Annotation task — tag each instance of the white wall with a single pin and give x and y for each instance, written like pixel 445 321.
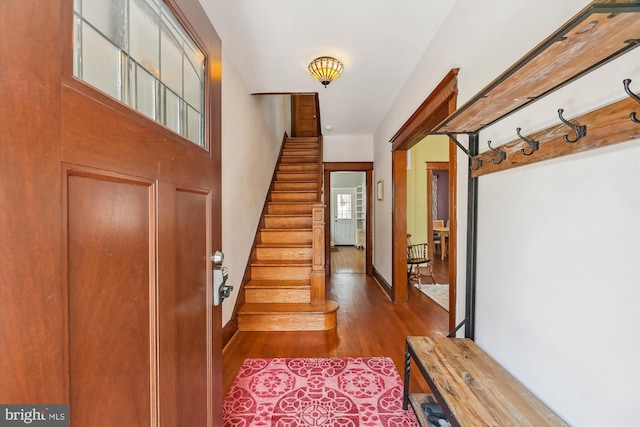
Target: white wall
pixel 249 155
pixel 558 297
pixel 347 148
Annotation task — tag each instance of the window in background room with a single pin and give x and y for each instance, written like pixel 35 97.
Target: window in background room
pixel 344 208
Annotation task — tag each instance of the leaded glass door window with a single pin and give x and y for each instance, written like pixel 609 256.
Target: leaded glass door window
pixel 137 52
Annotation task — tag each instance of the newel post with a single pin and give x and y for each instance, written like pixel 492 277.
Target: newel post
pixel 317 268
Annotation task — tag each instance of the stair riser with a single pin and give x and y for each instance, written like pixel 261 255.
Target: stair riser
pixel 277 296
pixel 295 186
pixel 297 176
pixel 289 209
pixel 296 237
pixel 293 196
pixel 300 152
pixel 274 254
pixel 287 322
pixel 288 222
pixel 280 272
pixel 299 159
pixel 293 167
pixel 301 145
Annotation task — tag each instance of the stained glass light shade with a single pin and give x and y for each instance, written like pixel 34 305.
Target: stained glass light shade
pixel 326 69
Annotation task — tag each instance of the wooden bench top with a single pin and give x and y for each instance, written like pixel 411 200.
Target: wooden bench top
pixel 476 389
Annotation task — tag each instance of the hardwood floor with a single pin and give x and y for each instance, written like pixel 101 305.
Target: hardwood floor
pixel 347 259
pixel 368 325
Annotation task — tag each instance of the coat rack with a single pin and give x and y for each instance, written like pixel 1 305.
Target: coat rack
pixel 601 32
pixel 608 125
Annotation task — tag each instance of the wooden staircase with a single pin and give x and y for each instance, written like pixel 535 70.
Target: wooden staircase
pixel 286 291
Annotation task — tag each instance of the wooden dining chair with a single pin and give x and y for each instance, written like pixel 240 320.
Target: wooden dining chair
pixel 437 242
pixel 418 255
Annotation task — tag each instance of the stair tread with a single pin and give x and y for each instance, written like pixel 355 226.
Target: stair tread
pixel 295 191
pixel 280 308
pixel 283 245
pixel 284 230
pixel 282 262
pixel 288 215
pixel 266 283
pixel 285 182
pixel 291 202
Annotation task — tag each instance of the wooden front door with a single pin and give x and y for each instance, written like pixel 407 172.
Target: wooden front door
pixel 108 225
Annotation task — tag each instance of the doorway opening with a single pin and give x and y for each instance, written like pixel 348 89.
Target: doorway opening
pixel 436 107
pixel 348 211
pixel 347 199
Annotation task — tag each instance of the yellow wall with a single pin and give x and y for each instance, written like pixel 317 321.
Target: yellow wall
pixel 433 148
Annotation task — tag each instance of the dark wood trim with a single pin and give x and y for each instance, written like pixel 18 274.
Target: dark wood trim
pixel 229 330
pixel 369 225
pixel 439 104
pixel 399 221
pixel 366 167
pixel 422 121
pixel 316 99
pixel 384 285
pixel 348 166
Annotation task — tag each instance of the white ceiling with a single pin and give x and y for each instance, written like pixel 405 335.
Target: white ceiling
pixel 271 43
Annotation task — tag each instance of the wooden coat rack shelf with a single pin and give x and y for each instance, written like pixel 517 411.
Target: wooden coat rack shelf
pixel 601 32
pixel 605 126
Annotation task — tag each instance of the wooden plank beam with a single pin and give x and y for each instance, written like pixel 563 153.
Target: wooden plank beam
pixel 552 64
pixel 605 126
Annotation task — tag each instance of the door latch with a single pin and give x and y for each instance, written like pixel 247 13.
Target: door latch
pixel 220 276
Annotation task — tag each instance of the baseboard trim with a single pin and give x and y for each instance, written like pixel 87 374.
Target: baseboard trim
pixel 228 331
pixel 384 285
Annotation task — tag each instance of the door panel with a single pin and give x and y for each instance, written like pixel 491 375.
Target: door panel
pixel 111 288
pixel 191 314
pixel 305 115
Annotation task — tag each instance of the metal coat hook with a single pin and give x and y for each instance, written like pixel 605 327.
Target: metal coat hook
pixel 500 155
pixel 579 130
pixel 632 116
pixel 477 162
pixel 472 158
pixel 533 145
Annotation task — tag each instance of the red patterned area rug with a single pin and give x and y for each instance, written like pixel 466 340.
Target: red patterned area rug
pixel 346 392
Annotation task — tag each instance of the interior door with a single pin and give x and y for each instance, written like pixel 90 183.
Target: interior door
pixel 305 115
pixel 344 217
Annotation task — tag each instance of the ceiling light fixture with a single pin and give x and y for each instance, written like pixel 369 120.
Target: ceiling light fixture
pixel 326 69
